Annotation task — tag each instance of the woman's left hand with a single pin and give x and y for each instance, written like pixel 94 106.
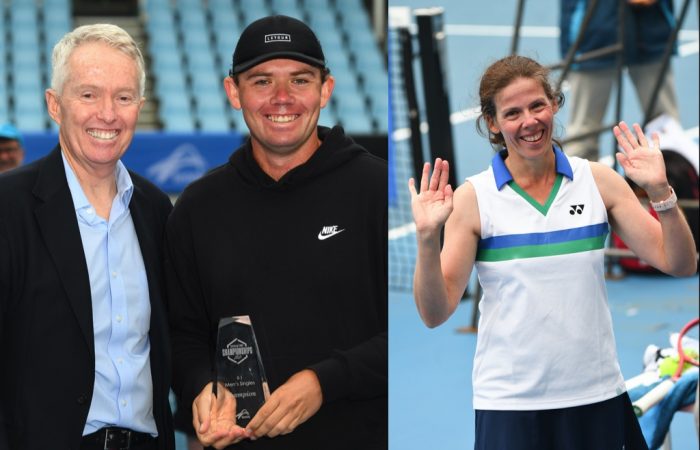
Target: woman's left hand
pixel 643 163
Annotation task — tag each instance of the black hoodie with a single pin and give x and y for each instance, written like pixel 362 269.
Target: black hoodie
pixel 305 257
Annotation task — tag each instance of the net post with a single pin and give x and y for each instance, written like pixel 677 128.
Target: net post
pixel 431 37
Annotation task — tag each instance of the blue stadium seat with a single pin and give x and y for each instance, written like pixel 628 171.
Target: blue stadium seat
pixel 338 61
pixel 224 49
pixel 327 117
pixel 166 59
pixel 206 81
pixel 163 39
pixel 25 59
pixel 225 24
pixel 375 82
pixel 236 118
pixel 180 121
pixel 53 4
pixel 23 15
pixel 171 104
pixel 27 35
pixel 350 106
pixel 253 10
pixel 354 18
pixel 289 8
pixel 171 83
pixel 360 124
pixel 29 108
pixel 315 5
pixel 322 21
pixel 380 110
pixel 360 42
pixel 188 5
pixel 156 3
pixel 193 20
pixel 356 5
pixel 4 95
pixel 332 44
pixel 27 80
pixel 29 101
pixel 214 123
pixel 162 20
pixel 211 102
pixel 210 109
pixel 382 123
pixel 210 30
pixel 57 15
pixel 30 121
pixel 217 6
pixel 370 60
pixel 153 9
pixel 346 84
pixel 202 60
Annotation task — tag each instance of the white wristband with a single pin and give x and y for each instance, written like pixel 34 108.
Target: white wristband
pixel 664 205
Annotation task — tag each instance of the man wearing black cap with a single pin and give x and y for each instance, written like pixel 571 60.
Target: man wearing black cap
pixel 292 232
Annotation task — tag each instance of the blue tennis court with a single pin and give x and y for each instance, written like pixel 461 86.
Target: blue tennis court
pixel 430 393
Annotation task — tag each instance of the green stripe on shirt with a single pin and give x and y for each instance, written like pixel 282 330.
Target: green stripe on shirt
pixel 534 251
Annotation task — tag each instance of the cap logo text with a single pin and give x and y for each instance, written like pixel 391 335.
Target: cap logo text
pixel 278 37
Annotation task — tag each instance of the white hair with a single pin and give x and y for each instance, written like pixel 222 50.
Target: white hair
pixel 111 35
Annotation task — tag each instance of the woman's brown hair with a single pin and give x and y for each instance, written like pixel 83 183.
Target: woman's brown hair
pixel 499 75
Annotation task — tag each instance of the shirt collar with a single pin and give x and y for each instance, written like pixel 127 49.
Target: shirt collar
pixel 125 187
pixel 502 174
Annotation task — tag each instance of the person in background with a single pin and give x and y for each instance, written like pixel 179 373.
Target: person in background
pixel 83 327
pixel 292 232
pixel 534 226
pixel 11 147
pixel 647 27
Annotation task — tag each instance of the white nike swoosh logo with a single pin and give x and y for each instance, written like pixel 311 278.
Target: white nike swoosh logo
pixel 322 236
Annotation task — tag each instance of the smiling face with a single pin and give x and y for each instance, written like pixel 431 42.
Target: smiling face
pixel 97 108
pixel 281 100
pixel 525 118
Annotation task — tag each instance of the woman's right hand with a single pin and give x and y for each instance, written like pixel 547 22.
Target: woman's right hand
pixel 433 204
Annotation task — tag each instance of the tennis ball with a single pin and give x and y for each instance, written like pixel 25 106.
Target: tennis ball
pixel 668 365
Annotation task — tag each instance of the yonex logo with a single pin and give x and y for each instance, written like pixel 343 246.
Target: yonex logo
pixel 278 37
pixel 576 209
pixel 329 231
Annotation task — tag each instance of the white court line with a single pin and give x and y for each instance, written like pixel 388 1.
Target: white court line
pixel 402 231
pixel 500 31
pixel 687 49
pixel 528 31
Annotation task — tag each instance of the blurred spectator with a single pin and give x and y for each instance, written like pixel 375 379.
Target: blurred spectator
pixel 11 147
pixel 647 28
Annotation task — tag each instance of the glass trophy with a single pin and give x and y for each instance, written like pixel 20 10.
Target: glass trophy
pixel 239 366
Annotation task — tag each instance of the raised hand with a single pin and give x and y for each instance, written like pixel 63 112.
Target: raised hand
pixel 433 205
pixel 642 161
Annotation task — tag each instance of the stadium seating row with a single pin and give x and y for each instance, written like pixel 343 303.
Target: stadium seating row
pixel 190 44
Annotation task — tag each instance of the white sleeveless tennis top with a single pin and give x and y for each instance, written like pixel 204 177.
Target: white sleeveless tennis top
pixel 545 332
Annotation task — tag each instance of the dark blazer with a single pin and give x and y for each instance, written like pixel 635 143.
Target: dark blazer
pixel 47 354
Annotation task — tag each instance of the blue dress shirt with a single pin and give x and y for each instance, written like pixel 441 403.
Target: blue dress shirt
pixel 121 311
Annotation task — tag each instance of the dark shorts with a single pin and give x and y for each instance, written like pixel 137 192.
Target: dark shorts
pixel 609 425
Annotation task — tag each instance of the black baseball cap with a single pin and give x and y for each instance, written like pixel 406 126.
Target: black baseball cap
pixel 275 37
